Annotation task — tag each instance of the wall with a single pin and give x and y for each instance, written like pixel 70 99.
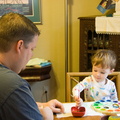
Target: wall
pixel 41 90
pixel 51 44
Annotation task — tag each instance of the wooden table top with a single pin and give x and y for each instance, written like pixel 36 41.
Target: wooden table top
pixel 93 116
pixel 80 118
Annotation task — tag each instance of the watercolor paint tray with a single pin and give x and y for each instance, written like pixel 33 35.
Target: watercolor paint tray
pixel 107 107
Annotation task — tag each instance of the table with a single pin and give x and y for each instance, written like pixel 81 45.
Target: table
pixel 78 118
pixel 90 113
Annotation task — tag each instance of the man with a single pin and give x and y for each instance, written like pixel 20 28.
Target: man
pixel 18 38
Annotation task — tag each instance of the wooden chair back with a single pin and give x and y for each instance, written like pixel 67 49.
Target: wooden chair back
pixel 71 76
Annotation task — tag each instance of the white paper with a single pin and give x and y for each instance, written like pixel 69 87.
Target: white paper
pixel 87 105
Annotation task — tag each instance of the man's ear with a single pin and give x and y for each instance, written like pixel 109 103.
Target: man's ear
pixel 20 45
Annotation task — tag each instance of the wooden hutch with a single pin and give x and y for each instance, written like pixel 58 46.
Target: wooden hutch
pixel 90 41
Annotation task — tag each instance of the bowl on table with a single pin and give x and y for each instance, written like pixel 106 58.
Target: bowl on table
pixel 108 117
pixel 78 111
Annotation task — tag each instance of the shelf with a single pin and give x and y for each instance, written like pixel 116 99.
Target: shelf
pixel 32 74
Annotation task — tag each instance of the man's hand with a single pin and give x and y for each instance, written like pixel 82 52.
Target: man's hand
pixel 55 105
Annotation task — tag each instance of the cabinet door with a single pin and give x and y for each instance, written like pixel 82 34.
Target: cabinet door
pixel 87 27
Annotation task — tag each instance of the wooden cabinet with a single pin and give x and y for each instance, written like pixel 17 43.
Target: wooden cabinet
pixel 33 74
pixel 90 41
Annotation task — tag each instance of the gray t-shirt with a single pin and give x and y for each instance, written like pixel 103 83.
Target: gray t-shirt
pixel 16 99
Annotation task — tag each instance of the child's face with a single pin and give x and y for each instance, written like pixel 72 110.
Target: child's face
pixel 99 73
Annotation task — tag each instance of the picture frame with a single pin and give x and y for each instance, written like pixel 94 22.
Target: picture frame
pixel 30 8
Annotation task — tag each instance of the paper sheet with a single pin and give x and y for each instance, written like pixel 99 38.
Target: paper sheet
pixel 87 105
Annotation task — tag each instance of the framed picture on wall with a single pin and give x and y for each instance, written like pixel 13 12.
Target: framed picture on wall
pixel 30 8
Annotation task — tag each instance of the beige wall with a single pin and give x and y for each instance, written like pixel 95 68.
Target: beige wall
pixel 51 43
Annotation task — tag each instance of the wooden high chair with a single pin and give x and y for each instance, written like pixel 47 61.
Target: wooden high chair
pixel 71 76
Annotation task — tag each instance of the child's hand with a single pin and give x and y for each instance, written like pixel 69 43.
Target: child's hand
pixel 78 101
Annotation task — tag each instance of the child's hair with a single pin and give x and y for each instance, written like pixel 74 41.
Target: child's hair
pixel 105 58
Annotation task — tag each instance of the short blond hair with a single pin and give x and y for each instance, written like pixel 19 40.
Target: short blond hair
pixel 105 58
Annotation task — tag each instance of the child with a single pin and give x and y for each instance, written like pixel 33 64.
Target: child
pixel 98 86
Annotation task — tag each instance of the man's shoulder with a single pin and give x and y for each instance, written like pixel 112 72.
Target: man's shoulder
pixel 9 82
pixel 8 77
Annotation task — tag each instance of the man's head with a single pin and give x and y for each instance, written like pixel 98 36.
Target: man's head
pixel 18 38
pixel 15 27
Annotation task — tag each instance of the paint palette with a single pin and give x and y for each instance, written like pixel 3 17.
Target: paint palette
pixel 107 107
